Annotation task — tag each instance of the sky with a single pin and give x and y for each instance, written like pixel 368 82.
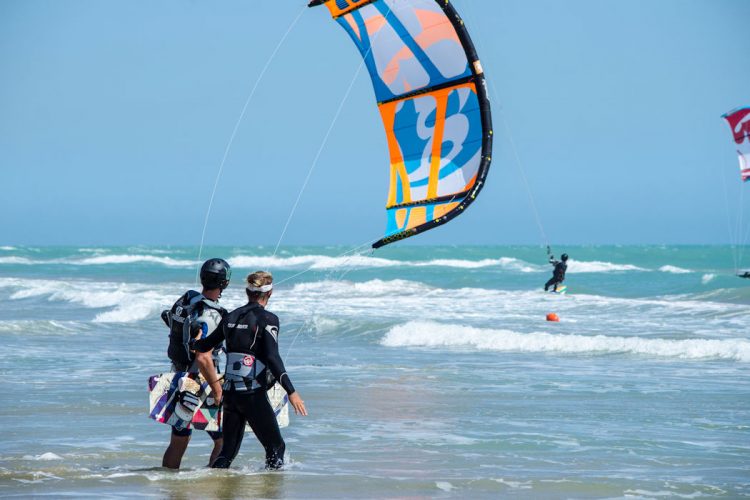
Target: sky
pixel 115 116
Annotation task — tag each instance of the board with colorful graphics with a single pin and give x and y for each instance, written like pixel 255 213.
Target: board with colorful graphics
pixel 168 391
pixel 560 290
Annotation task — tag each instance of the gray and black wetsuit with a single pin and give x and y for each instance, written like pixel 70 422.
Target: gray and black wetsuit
pixel 253 366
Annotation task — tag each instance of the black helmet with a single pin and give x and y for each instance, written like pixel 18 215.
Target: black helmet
pixel 564 256
pixel 215 273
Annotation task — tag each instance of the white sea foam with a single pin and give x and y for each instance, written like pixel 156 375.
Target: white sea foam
pixel 132 259
pixel 444 485
pixel 7 248
pixel 508 263
pixel 130 302
pixel 674 270
pixel 43 457
pixel 595 266
pixel 707 278
pixel 390 300
pixel 318 262
pixel 431 334
pixel 17 260
pixel 101 260
pixel 324 262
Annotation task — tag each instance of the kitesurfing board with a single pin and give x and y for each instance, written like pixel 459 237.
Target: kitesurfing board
pixel 560 290
pixel 166 391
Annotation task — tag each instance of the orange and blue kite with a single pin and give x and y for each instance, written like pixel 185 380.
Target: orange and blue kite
pixel 432 98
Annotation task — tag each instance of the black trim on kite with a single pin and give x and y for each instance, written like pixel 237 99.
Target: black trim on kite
pixel 438 199
pixel 486 114
pixel 427 90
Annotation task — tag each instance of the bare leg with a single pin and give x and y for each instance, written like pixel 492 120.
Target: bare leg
pixel 218 443
pixel 175 451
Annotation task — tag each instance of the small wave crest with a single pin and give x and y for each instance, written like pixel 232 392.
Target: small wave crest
pixel 101 260
pixel 132 259
pixel 595 266
pixel 430 334
pixel 43 457
pixel 17 260
pixel 324 262
pixel 319 262
pixel 708 278
pixel 674 270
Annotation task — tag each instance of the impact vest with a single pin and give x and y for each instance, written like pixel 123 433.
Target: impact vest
pixel 183 320
pixel 242 329
pixel 560 269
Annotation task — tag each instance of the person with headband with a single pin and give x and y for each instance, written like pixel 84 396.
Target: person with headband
pixel 254 365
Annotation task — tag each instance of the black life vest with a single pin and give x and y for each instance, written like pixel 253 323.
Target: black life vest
pixel 183 326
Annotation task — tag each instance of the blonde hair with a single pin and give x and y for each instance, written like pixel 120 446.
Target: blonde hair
pixel 257 280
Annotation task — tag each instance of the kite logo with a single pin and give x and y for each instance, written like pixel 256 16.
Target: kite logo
pixel 248 360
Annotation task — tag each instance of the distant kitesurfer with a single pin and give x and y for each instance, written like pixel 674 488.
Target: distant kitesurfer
pixel 746 274
pixel 196 315
pixel 253 366
pixel 558 273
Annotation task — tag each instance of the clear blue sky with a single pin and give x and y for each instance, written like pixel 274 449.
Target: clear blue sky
pixel 114 116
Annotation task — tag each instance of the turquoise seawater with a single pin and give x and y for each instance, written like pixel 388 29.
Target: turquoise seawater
pixel 428 372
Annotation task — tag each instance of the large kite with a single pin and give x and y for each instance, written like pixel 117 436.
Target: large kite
pixel 432 97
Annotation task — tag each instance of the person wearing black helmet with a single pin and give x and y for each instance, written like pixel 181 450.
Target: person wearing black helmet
pixel 196 315
pixel 558 273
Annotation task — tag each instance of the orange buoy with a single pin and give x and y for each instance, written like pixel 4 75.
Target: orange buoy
pixel 553 317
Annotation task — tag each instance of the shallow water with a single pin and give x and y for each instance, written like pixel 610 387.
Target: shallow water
pixel 428 372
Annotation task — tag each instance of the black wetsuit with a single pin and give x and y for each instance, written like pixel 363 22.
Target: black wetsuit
pixel 558 274
pixel 251 335
pixel 744 275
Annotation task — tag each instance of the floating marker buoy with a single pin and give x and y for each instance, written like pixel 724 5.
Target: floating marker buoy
pixel 553 317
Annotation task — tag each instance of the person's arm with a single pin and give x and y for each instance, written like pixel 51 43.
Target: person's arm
pixel 205 362
pixel 212 341
pixel 270 346
pixel 270 351
pixel 210 336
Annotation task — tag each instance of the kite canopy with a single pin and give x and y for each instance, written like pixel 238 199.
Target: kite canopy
pixel 433 101
pixel 739 122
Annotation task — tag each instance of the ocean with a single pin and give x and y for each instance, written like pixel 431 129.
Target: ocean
pixel 428 372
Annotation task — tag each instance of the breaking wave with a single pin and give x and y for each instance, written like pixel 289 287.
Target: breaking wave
pixel 595 266
pixel 324 262
pixel 317 262
pixel 132 259
pixel 430 334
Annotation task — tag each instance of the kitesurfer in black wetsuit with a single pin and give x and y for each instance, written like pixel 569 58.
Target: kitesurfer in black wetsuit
pixel 558 274
pixel 196 315
pixel 253 366
pixel 746 274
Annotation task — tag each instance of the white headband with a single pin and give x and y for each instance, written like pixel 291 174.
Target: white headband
pixel 261 289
